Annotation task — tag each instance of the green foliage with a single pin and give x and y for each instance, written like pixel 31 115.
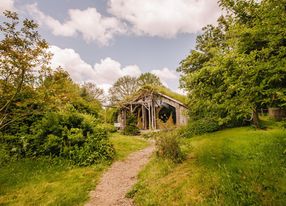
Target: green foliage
pixel 131 126
pixel 107 127
pixel 21 49
pixel 148 79
pixel 110 115
pixel 90 92
pixel 124 87
pixel 239 65
pixel 68 134
pixel 167 146
pixel 201 126
pixel 43 112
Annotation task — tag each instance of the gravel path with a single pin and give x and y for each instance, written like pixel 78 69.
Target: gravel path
pixel 119 179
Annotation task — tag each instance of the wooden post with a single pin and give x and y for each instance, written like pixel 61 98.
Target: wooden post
pixel 155 118
pixel 149 115
pixel 178 113
pixel 123 119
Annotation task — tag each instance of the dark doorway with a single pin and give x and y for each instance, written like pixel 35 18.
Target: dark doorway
pixel 166 111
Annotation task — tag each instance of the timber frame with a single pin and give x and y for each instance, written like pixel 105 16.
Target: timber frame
pixel 152 109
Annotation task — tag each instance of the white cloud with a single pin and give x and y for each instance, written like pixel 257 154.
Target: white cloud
pixel 6 5
pixel 165 74
pixel 109 70
pixel 89 23
pixel 72 62
pixel 104 73
pixel 165 18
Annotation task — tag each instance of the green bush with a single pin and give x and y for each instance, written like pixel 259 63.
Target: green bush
pixel 131 126
pixel 67 134
pixel 96 148
pixel 200 126
pixel 108 127
pixel 167 146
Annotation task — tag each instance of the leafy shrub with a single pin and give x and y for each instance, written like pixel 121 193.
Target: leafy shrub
pixel 200 126
pixel 96 148
pixel 68 134
pixel 167 146
pixel 107 127
pixel 131 126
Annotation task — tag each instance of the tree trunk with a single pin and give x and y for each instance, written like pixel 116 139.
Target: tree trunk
pixel 255 118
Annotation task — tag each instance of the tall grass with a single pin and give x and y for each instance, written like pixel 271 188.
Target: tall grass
pixel 240 166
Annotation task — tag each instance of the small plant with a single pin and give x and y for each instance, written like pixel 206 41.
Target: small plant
pixel 131 126
pixel 167 146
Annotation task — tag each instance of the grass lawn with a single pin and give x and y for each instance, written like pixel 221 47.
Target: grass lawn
pixel 240 166
pixel 124 145
pixel 45 182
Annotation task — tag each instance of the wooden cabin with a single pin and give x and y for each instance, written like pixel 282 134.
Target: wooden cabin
pixel 153 110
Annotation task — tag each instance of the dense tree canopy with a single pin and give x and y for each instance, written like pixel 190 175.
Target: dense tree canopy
pixel 239 66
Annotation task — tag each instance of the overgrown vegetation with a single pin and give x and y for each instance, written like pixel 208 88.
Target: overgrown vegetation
pixel 43 112
pixel 167 146
pixel 67 134
pixel 241 166
pixel 238 66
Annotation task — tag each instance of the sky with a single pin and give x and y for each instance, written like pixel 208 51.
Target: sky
pixel 102 40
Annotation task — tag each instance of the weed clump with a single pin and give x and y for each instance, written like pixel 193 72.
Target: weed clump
pixel 167 146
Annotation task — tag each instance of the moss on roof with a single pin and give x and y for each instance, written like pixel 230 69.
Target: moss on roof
pixel 179 97
pixel 154 89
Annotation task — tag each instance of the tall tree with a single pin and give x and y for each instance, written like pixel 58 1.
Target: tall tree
pixel 148 79
pixel 122 88
pixel 23 53
pixel 240 65
pixel 90 91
